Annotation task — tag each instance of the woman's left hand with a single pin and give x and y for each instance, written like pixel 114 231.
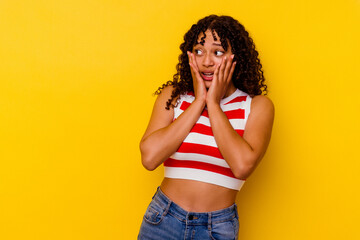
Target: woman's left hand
pixel 221 81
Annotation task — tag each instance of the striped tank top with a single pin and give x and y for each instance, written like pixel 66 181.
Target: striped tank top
pixel 198 157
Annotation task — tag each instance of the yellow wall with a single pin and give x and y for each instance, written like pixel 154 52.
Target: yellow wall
pixel 76 79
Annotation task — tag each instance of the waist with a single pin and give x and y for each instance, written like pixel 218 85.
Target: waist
pixel 197 196
pixel 205 218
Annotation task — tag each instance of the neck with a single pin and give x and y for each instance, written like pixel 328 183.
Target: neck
pixel 230 90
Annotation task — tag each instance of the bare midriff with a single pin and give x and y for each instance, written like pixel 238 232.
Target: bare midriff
pixel 196 196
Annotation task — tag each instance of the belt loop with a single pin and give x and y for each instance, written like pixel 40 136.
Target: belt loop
pixel 209 221
pixel 157 190
pixel 167 207
pixel 236 211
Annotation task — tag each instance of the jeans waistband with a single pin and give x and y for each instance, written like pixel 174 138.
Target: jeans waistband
pixel 197 218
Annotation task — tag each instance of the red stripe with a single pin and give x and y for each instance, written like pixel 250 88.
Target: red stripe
pixel 199 165
pixel 238 99
pixel 203 129
pixel 200 149
pixel 232 114
pixel 205 113
pixel 235 114
pixel 240 132
pixel 184 105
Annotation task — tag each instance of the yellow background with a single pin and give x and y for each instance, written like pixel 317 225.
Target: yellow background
pixel 76 83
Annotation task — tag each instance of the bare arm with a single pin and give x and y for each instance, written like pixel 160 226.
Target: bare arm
pixel 243 153
pixel 163 136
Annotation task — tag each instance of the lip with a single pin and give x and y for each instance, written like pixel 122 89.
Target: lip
pixel 207 77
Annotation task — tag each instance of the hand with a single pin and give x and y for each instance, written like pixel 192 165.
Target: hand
pixel 221 81
pixel 198 82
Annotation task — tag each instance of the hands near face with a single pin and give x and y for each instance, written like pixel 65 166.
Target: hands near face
pixel 220 82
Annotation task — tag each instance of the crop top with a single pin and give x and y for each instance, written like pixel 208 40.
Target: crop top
pixel 198 157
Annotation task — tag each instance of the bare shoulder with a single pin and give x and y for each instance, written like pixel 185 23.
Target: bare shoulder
pixel 262 104
pixel 160 117
pixel 165 94
pixel 259 125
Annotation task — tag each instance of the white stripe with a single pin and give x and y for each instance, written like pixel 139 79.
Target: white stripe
pixel 247 109
pixel 235 123
pixel 238 123
pixel 202 139
pixel 231 97
pixel 232 106
pixel 204 120
pixel 200 158
pixel 203 176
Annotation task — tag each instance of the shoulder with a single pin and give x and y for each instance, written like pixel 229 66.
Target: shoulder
pixel 166 91
pixel 165 95
pixel 262 105
pixel 262 102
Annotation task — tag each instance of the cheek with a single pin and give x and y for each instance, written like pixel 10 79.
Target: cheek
pixel 198 61
pixel 218 61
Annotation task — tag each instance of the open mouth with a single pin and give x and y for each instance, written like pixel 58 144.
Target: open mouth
pixel 207 76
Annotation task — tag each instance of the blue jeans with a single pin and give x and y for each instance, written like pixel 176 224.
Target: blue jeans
pixel 164 220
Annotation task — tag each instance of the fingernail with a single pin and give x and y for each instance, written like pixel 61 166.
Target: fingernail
pixel 232 56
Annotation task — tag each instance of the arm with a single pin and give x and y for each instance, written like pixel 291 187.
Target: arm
pixel 163 136
pixel 243 153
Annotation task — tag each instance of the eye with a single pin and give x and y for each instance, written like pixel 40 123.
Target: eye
pixel 198 51
pixel 219 53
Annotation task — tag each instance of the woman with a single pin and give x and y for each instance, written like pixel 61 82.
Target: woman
pixel 210 127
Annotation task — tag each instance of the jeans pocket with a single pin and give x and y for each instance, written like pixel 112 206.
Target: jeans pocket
pixel 154 213
pixel 227 230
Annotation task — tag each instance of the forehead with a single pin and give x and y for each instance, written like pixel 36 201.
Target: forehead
pixel 210 34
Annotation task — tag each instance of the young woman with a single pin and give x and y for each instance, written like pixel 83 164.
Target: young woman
pixel 210 127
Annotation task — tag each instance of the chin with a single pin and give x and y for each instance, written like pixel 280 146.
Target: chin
pixel 208 84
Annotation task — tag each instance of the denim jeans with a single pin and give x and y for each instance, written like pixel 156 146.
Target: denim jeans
pixel 164 220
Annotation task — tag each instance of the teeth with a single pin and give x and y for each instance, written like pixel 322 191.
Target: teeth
pixel 209 74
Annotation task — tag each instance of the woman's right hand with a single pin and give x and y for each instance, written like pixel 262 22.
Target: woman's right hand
pixel 198 83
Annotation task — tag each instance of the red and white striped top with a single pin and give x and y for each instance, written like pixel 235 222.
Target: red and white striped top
pixel 198 157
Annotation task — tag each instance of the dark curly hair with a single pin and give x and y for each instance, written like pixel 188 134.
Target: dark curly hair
pixel 248 74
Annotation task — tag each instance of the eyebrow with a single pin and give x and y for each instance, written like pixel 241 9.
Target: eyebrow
pixel 216 44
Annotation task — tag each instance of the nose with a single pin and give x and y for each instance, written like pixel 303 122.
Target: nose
pixel 207 61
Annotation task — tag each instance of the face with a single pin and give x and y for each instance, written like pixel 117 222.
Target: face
pixel 210 54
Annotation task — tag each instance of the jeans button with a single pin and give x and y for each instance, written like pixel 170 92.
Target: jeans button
pixel 191 217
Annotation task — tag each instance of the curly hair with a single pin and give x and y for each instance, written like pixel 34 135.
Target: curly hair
pixel 248 74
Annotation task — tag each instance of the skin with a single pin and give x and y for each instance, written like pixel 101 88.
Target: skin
pixel 211 68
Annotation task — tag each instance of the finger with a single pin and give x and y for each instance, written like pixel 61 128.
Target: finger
pixel 222 68
pixel 190 62
pixel 216 72
pixel 231 71
pixel 193 61
pixel 194 73
pixel 228 67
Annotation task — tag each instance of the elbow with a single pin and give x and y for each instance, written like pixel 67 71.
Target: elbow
pixel 244 170
pixel 242 173
pixel 146 159
pixel 147 163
